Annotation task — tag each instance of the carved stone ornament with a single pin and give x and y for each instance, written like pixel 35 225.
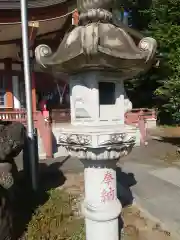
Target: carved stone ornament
pixel 97 146
pixel 98 44
pixel 75 139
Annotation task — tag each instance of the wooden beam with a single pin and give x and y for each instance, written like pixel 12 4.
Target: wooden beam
pixel 36 14
pixel 55 11
pixel 65 28
pixel 33 30
pixel 55 41
pixel 18 40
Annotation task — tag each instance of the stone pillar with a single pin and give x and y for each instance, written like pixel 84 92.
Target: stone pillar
pixel 120 100
pixel 16 92
pixel 101 207
pixel 94 98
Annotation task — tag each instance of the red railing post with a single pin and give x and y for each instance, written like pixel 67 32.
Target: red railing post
pixel 75 17
pixel 44 126
pixel 142 128
pixel 154 113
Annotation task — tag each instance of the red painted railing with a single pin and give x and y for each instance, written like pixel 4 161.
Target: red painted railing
pixel 64 115
pixel 60 115
pixel 138 118
pixel 14 115
pixel 134 115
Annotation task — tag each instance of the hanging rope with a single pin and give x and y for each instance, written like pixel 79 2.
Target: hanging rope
pixel 61 94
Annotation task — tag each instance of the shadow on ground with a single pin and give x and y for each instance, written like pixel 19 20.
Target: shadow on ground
pixel 124 182
pixel 27 201
pixel 172 140
pixel 166 134
pixel 54 144
pixel 51 177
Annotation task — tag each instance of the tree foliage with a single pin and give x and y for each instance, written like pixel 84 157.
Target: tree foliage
pixel 160 87
pixel 164 26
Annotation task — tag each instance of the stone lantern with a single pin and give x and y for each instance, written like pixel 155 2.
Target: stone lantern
pixel 98 57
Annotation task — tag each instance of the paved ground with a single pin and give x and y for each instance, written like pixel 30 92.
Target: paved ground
pixel 157 180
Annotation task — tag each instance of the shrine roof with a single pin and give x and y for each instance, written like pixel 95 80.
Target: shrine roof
pixel 15 4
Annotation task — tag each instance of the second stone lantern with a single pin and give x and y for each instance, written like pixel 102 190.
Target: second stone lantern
pixel 98 56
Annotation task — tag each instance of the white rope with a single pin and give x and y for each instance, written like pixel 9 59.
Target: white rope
pixel 61 93
pixel 41 20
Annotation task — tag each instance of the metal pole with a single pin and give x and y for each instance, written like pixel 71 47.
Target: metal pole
pixel 27 78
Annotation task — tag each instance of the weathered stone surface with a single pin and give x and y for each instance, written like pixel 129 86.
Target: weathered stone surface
pixel 6 176
pixel 12 137
pixel 6 230
pixel 97 44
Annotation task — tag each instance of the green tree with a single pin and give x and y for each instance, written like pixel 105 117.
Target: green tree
pixel 159 87
pixel 164 26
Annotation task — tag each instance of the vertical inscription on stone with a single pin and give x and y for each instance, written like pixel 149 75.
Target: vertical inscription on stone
pixel 108 192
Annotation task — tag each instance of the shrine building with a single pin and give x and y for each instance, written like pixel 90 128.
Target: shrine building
pixel 48 22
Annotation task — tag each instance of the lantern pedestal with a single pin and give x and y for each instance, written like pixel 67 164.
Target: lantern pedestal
pixel 101 207
pixel 99 148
